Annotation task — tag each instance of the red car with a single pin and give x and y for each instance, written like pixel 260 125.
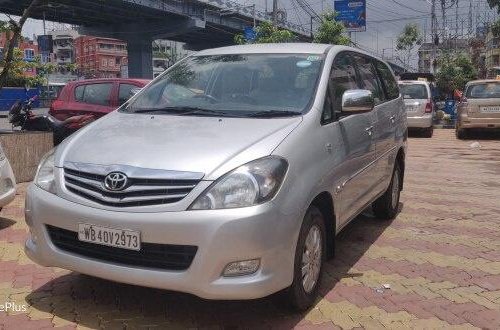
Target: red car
pixel 93 97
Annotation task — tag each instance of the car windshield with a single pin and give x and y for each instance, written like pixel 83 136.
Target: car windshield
pixel 484 91
pixel 234 85
pixel 414 91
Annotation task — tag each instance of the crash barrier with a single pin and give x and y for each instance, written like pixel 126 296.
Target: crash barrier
pixel 24 150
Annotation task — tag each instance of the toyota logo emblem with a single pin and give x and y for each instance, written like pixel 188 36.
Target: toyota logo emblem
pixel 115 181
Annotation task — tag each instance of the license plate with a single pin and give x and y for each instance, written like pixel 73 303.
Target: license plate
pixel 120 238
pixel 490 109
pixel 410 108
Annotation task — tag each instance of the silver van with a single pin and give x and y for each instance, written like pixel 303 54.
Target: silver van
pixel 228 176
pixel 419 105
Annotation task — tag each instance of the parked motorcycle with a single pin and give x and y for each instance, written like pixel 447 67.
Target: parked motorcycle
pixel 21 115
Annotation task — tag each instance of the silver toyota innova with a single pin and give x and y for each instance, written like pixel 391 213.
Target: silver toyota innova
pixel 228 176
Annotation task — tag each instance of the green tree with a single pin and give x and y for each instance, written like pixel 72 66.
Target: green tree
pixel 330 31
pixel 408 40
pixel 16 76
pixel 454 72
pixel 268 33
pixel 494 4
pixel 13 31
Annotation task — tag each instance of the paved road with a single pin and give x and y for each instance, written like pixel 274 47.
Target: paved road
pixel 440 257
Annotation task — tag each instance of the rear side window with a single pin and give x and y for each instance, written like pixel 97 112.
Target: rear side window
pixel 124 92
pixel 483 91
pixel 368 77
pixel 94 93
pixel 391 87
pixel 414 91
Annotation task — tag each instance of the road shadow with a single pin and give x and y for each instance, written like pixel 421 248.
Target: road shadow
pixel 6 223
pixel 98 303
pixel 483 135
pixel 417 133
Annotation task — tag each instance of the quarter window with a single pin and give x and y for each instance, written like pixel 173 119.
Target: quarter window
pixel 93 93
pixel 124 92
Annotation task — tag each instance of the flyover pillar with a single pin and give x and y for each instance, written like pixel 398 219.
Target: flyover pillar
pixel 140 57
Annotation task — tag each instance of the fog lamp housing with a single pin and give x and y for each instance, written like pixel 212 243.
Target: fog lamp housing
pixel 243 267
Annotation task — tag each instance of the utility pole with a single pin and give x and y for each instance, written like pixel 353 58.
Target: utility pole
pixel 275 11
pixel 434 36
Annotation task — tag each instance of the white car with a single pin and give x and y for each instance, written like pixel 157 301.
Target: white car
pixel 7 181
pixel 418 104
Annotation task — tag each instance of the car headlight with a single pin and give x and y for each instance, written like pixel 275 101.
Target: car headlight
pixel 44 177
pixel 250 184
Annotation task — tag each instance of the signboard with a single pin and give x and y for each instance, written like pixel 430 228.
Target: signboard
pixel 352 13
pixel 45 43
pixel 249 33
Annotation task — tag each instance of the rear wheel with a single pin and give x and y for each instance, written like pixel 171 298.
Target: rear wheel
pixel 309 257
pixel 428 132
pixel 386 206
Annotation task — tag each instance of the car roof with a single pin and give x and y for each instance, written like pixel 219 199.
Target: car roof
pixel 122 80
pixel 482 81
pixel 414 82
pixel 282 48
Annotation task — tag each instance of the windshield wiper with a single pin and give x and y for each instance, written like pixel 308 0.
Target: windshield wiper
pixel 180 110
pixel 274 113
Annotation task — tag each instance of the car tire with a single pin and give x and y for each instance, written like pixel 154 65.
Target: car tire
pixel 461 133
pixel 428 132
pixel 386 206
pixel 305 286
pixel 57 139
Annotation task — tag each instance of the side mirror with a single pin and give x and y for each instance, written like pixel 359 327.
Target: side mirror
pixel 357 101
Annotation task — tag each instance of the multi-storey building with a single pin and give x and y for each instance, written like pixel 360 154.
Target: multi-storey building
pixel 98 57
pixel 27 46
pixel 492 60
pixel 425 61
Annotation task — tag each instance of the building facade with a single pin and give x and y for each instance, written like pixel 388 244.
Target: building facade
pixel 492 58
pixel 98 57
pixel 425 61
pixel 28 47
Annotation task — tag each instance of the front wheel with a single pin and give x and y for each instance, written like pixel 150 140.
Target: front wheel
pixel 386 206
pixel 461 133
pixel 309 257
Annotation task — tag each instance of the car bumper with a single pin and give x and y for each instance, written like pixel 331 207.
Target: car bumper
pixel 7 183
pixel 222 236
pixel 469 122
pixel 420 122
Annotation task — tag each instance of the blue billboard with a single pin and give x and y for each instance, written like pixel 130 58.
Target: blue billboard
pixel 352 13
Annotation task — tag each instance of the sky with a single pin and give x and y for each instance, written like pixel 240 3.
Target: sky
pixel 385 19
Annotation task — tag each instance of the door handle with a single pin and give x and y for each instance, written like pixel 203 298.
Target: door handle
pixel 369 130
pixel 392 119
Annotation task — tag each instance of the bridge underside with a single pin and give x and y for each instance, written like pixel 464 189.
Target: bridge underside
pixel 139 22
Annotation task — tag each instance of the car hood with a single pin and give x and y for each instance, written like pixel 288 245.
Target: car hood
pixel 208 145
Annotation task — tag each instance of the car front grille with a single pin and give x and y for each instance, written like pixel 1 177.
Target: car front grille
pixel 151 255
pixel 139 191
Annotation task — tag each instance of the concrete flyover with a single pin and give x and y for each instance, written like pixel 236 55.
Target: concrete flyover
pixel 199 23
